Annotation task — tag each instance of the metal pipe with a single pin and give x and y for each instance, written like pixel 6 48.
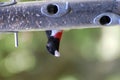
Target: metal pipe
pixel 40 15
pixel 16 39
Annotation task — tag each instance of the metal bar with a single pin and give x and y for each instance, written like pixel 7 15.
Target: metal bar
pixel 16 38
pixel 35 16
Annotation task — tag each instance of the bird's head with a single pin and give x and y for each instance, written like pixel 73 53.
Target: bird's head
pixel 53 46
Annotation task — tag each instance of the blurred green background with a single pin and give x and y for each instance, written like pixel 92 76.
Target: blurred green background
pixel 86 54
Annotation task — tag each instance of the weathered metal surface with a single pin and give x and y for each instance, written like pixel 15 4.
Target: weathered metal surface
pixel 29 16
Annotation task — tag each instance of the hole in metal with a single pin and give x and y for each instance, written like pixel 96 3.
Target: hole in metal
pixel 52 9
pixel 104 20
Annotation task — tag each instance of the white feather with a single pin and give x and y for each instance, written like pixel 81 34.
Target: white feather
pixel 57 54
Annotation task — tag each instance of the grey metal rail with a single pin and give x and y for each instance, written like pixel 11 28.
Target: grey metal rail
pixel 40 15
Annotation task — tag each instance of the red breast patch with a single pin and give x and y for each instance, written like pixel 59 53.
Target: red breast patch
pixel 58 35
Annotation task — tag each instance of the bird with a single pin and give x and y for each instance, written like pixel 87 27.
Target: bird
pixel 54 38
